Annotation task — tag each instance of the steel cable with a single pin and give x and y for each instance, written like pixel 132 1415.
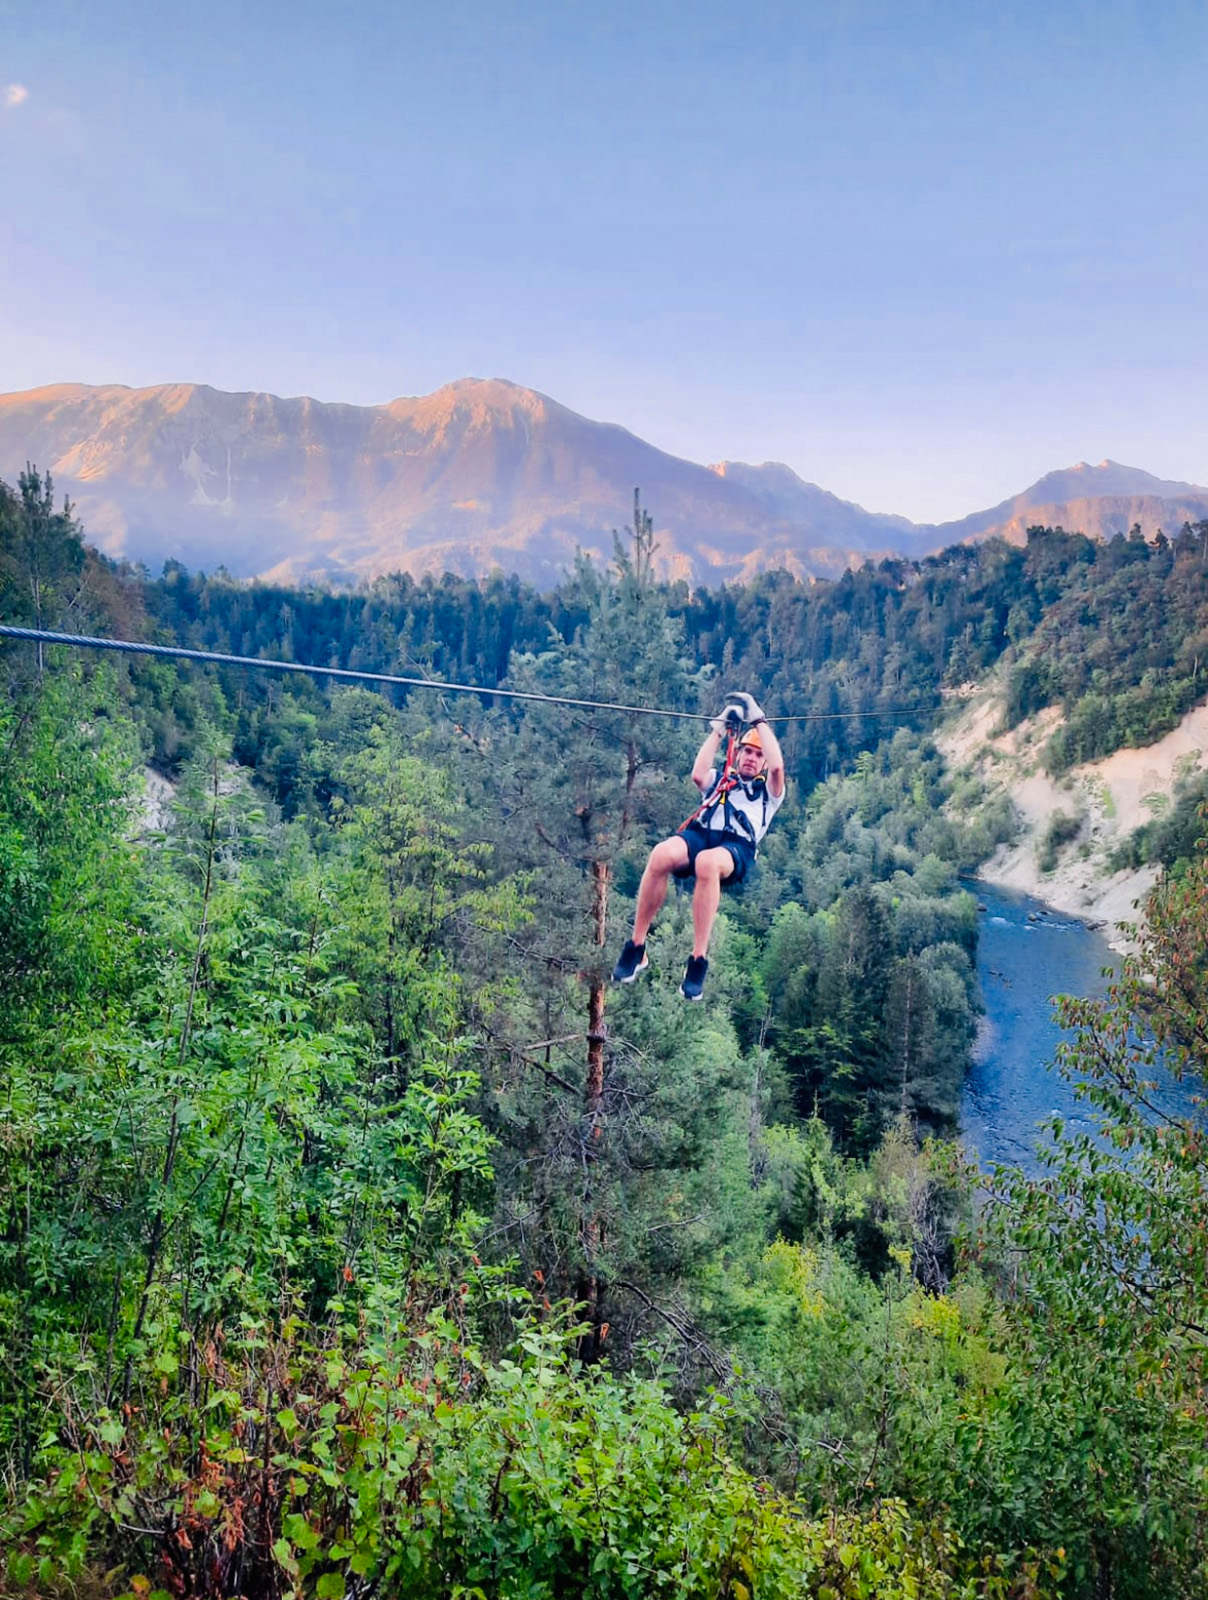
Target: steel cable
pixel 347 674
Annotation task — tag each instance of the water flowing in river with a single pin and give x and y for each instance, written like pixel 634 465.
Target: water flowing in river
pixel 1026 954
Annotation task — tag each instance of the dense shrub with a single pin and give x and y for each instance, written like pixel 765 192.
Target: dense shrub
pixel 405 1465
pixel 1061 829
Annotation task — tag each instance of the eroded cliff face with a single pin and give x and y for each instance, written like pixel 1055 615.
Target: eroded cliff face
pixel 1107 801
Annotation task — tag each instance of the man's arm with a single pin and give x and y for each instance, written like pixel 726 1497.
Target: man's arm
pixel 702 767
pixel 775 759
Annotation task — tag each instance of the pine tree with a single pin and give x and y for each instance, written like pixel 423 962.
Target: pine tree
pixel 575 797
pixel 41 556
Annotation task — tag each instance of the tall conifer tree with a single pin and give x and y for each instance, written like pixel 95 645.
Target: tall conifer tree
pixel 579 795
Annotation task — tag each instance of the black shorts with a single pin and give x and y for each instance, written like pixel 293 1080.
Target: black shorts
pixel 698 839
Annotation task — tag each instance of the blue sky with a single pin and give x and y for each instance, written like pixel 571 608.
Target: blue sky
pixel 922 252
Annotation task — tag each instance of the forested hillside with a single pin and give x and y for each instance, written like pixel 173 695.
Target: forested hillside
pixel 358 1239
pixel 1113 632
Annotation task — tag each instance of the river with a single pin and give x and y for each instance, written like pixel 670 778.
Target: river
pixel 1026 954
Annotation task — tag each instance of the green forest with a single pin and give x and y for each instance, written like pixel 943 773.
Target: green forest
pixel 359 1239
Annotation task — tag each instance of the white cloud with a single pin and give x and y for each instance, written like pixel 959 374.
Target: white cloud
pixel 15 95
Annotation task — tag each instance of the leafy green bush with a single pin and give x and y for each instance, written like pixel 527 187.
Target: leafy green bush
pixel 1062 829
pixel 342 1463
pixel 1171 838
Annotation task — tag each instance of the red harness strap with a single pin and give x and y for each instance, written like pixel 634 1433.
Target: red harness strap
pixel 729 780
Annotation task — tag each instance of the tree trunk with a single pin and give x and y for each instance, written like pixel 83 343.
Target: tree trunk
pixel 596 1032
pixel 906 1040
pixel 591 1292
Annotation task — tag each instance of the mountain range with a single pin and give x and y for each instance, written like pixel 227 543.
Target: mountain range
pixel 479 474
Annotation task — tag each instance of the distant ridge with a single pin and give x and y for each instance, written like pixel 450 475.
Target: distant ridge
pixel 1098 501
pixel 480 474
pixel 839 522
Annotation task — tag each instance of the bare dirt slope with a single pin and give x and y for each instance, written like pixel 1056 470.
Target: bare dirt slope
pixel 1110 799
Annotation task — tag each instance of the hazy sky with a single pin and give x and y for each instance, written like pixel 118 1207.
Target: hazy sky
pixel 921 252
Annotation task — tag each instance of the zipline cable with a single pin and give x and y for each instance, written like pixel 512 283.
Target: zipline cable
pixel 179 653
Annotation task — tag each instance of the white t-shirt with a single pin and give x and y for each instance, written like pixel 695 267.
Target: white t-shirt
pixel 747 809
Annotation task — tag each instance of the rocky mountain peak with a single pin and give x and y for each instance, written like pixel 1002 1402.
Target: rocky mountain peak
pixel 481 473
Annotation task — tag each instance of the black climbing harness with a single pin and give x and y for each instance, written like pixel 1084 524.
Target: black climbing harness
pixel 732 820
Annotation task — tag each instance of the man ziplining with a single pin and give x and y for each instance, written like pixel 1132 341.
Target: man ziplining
pixel 720 840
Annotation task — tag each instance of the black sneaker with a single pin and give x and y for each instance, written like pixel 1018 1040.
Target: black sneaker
pixel 693 986
pixel 631 961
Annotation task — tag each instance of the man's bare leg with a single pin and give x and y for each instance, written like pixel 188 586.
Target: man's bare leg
pixel 652 890
pixel 713 867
